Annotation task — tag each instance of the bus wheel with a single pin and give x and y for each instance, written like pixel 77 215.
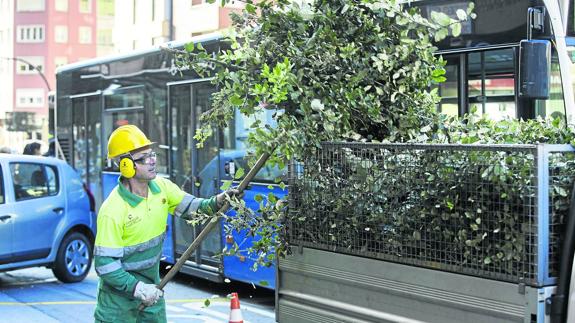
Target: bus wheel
pixel 74 258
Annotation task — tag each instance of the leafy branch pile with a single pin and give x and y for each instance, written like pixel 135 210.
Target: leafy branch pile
pixel 466 210
pixel 364 71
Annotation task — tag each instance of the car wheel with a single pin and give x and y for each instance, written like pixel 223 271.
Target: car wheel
pixel 74 258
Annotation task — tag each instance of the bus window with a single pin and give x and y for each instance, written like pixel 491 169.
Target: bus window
pixel 553 107
pixel 448 89
pixel 491 83
pixel 113 120
pixel 116 97
pixel 488 85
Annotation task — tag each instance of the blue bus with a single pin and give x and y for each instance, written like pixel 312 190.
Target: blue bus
pixel 147 89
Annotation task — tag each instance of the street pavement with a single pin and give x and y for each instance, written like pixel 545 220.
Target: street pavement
pixel 34 295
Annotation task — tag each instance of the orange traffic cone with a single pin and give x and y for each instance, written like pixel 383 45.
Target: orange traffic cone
pixel 235 312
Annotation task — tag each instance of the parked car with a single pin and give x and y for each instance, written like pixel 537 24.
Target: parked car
pixel 47 217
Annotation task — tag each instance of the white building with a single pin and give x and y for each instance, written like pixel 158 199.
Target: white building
pixel 144 23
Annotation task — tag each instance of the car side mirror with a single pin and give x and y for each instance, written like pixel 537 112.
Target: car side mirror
pixel 535 69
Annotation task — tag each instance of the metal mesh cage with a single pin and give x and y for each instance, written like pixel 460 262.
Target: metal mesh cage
pixel 473 209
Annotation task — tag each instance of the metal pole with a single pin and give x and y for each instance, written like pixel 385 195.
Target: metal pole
pixel 171 18
pixel 33 66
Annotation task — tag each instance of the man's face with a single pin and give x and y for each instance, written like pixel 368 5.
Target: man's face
pixel 145 162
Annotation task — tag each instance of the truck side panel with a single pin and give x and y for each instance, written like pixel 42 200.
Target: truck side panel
pixel 322 286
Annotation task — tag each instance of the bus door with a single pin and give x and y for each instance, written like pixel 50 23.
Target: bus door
pixel 87 141
pixel 195 170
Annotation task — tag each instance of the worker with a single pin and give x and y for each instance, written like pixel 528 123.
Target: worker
pixel 131 230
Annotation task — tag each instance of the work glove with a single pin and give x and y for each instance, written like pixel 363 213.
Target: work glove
pixel 221 198
pixel 147 293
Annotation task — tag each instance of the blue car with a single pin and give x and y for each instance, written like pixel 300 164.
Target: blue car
pixel 47 217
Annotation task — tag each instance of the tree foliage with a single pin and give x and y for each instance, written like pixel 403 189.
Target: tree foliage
pixel 344 69
pixel 364 71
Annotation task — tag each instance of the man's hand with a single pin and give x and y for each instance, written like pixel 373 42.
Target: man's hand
pixel 147 293
pixel 221 198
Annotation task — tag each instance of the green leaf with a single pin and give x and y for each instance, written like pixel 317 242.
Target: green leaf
pixel 236 100
pixel 226 184
pixel 239 173
pixel 264 283
pixel 207 302
pixel 456 29
pixel 440 18
pixel 189 47
pixel 461 14
pixel 250 8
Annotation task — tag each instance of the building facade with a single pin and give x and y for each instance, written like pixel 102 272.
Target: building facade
pixel 146 23
pixel 36 37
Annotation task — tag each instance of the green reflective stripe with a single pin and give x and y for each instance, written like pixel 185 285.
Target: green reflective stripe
pixel 139 265
pixel 109 252
pixel 145 245
pixel 111 267
pixel 208 206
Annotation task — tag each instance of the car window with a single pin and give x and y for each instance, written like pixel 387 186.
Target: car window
pixel 51 180
pixel 33 180
pixel 2 198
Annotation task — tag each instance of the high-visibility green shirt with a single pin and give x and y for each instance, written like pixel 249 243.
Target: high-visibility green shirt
pixel 130 234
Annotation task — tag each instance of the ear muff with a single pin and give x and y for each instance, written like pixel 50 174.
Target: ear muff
pixel 127 167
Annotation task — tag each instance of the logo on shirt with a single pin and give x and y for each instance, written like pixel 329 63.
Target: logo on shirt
pixel 132 220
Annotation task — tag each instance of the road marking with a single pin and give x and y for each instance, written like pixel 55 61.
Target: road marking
pixel 47 303
pixel 188 300
pixel 253 309
pixel 195 317
pixel 194 306
pixel 173 308
pixel 258 311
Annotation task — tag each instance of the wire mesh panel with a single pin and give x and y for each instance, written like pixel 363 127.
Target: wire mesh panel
pixel 464 208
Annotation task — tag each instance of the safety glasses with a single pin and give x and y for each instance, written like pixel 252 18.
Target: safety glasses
pixel 146 158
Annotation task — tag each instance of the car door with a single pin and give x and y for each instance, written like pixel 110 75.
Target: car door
pixel 6 221
pixel 40 209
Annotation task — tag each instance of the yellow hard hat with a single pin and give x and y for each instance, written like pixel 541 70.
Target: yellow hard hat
pixel 126 139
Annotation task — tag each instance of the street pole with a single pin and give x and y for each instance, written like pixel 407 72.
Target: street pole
pixel 39 71
pixel 34 67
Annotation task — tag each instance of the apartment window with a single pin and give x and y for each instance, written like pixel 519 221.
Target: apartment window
pixel 30 33
pixel 105 8
pixel 60 61
pixel 62 5
pixel 85 6
pixel 85 35
pixel 29 64
pixel 30 5
pixel 158 40
pixel 30 98
pixel 104 36
pixel 61 34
